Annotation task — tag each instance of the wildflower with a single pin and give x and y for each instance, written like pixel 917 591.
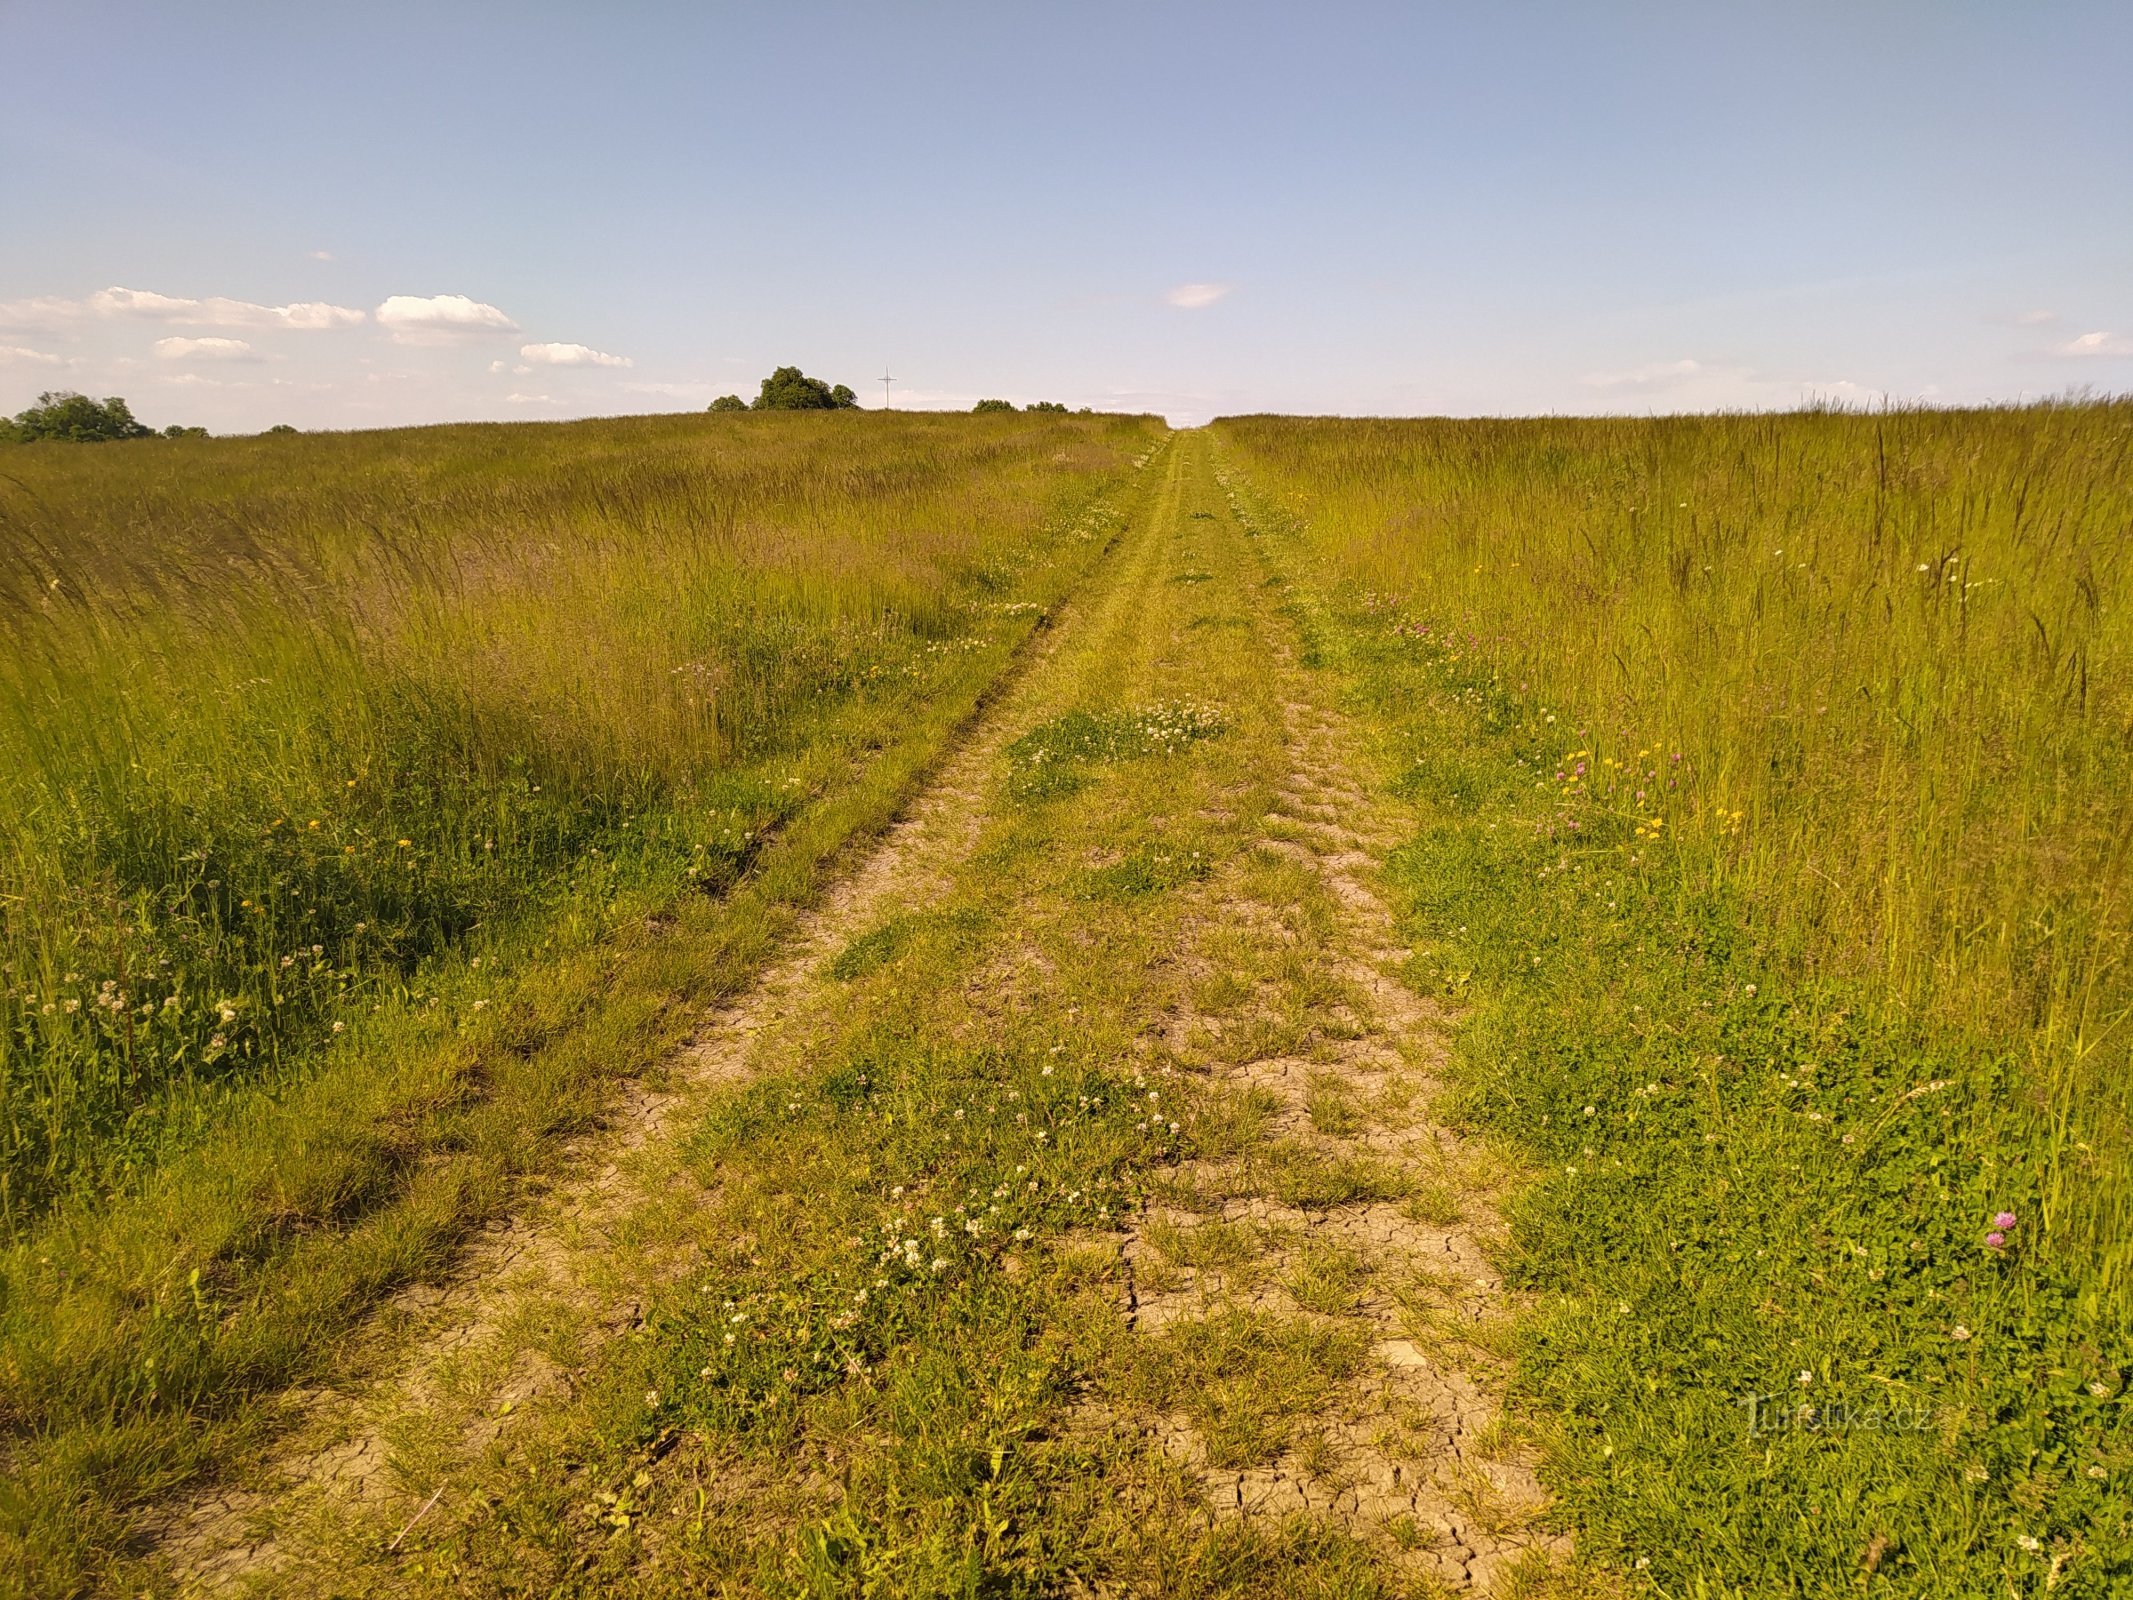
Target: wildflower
pixel 338 1026
pixel 406 844
pixel 1959 1333
pixel 1995 1240
pixel 2003 1219
pixel 1804 1378
pixel 2029 1541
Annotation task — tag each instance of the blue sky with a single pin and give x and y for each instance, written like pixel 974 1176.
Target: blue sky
pixel 346 216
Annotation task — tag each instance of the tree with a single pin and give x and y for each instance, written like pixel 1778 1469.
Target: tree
pixel 62 414
pixel 1046 405
pixel 178 430
pixel 992 405
pixel 790 389
pixel 282 427
pixel 729 402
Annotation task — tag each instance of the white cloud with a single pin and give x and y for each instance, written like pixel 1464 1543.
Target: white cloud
pixel 210 349
pixel 145 305
pixel 530 399
pixel 438 318
pixel 703 389
pixel 2097 344
pixel 2036 319
pixel 570 355
pixel 322 255
pixel 1197 296
pixel 1650 378
pixel 16 355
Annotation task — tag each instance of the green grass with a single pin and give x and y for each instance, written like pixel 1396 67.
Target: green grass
pixel 1783 1033
pixel 897 1364
pixel 374 802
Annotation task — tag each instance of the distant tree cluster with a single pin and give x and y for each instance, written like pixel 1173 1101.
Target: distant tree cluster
pixel 790 389
pixel 76 419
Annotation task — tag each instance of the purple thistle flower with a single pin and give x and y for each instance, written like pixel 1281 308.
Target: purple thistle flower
pixel 1995 1240
pixel 2005 1219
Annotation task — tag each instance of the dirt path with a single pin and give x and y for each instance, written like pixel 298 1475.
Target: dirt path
pixel 1300 1320
pixel 575 1267
pixel 1413 1450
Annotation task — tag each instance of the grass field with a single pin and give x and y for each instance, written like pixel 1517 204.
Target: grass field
pixel 1776 773
pixel 373 801
pixel 1530 1008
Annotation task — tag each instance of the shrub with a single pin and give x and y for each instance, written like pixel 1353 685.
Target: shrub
pixel 62 414
pixel 790 389
pixel 992 405
pixel 729 402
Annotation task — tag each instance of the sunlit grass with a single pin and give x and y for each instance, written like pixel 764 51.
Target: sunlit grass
pixel 1882 664
pixel 1771 777
pixel 374 802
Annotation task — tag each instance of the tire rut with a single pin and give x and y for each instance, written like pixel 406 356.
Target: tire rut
pixel 471 1351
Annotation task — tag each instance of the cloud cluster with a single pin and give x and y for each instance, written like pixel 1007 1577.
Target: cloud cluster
pixel 439 318
pixel 569 355
pixel 111 305
pixel 208 349
pixel 1197 296
pixel 1652 378
pixel 2098 344
pixel 17 355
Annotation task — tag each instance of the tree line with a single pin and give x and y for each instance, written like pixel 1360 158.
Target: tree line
pixel 76 419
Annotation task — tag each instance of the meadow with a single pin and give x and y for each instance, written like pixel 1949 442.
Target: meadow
pixel 1775 775
pixel 375 801
pixel 1532 1007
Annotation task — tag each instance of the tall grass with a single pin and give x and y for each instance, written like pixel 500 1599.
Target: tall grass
pixel 282 719
pixel 372 803
pixel 1881 665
